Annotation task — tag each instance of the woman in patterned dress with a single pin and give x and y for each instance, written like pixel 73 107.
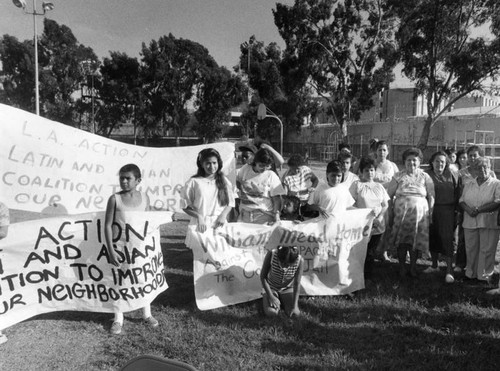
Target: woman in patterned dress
pixel 413 190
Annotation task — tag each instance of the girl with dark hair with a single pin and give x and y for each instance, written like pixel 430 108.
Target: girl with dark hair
pixel 300 181
pixel 331 198
pixel 451 153
pixel 260 190
pixel 207 197
pixel 385 169
pixel 280 276
pixel 413 193
pixel 461 160
pixel 369 194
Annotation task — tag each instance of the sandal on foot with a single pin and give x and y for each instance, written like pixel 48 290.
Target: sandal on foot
pixel 151 321
pixel 116 328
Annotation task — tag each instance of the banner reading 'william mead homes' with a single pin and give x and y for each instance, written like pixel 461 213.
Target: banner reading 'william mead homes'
pixel 46 166
pixel 227 261
pixel 61 263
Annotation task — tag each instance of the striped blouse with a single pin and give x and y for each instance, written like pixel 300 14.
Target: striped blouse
pixel 279 277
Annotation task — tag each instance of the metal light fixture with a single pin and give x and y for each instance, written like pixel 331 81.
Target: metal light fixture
pixel 46 6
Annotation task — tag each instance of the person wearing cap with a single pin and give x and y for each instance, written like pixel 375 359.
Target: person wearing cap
pixel 247 152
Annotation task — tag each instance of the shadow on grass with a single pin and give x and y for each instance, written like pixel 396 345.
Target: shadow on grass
pixel 351 334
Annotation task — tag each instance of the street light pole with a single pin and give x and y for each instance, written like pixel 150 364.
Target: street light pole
pixel 46 6
pixel 250 42
pixel 89 69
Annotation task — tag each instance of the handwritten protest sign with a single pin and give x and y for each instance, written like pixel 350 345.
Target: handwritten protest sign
pixel 62 263
pixel 50 167
pixel 227 261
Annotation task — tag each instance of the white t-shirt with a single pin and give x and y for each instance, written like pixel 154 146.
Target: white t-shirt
pixel 257 189
pixel 349 178
pixel 371 195
pixel 201 194
pixel 332 199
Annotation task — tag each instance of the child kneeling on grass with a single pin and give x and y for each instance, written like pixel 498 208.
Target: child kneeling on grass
pixel 280 276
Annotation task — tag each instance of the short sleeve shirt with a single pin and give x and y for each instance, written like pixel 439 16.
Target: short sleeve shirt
pixel 417 184
pixel 332 199
pixel 371 195
pixel 298 183
pixel 201 194
pixel 475 195
pixel 257 189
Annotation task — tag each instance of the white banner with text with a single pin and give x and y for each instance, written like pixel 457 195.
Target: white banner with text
pixel 56 169
pixel 228 260
pixel 62 263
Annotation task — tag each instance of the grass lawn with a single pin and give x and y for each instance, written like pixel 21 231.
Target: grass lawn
pixel 420 324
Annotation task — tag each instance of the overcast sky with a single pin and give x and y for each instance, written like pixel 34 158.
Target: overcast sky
pixel 122 25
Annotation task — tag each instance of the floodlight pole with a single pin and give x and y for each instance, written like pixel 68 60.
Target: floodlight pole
pixel 89 70
pixel 46 6
pixel 264 112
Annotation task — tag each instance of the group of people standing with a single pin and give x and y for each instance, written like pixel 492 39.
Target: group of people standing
pixel 450 209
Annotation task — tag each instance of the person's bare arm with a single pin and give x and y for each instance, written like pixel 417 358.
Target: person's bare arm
pixel 266 266
pixel 108 231
pixel 296 288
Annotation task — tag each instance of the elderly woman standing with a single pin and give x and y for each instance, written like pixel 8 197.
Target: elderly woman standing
pixel 414 200
pixel 447 191
pixel 480 201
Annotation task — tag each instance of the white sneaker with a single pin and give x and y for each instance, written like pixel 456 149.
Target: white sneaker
pixel 3 338
pixel 116 328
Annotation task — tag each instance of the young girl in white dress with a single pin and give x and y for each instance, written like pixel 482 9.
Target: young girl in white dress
pixel 207 196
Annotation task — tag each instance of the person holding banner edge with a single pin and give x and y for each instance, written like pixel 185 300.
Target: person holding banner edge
pixel 334 197
pixel 4 229
pixel 280 275
pixel 118 210
pixel 207 196
pixel 369 194
pixel 260 190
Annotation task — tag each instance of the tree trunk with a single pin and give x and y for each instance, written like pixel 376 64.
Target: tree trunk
pixel 426 131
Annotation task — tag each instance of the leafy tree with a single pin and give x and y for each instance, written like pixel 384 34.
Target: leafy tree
pixel 441 54
pixel 277 82
pixel 345 48
pixel 18 73
pixel 218 92
pixel 60 73
pixel 172 72
pixel 119 89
